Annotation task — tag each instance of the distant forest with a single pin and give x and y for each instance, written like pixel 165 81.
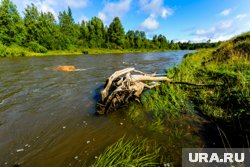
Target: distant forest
pixel 41 31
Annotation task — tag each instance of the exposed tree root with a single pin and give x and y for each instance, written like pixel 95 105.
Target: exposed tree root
pixel 124 85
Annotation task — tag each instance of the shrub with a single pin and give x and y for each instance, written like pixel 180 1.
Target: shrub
pixel 35 47
pixel 11 51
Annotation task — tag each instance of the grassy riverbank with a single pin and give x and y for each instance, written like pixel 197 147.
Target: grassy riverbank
pixel 222 98
pixel 17 51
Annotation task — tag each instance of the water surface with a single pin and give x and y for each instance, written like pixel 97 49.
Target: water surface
pixel 47 117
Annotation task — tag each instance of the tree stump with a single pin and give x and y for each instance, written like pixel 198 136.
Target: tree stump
pixel 123 86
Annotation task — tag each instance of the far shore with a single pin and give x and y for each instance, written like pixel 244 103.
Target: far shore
pixel 96 52
pixel 24 52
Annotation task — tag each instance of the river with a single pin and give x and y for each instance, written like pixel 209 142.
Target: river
pixel 47 117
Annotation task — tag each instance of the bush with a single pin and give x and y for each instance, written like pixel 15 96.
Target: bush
pixel 35 47
pixel 2 50
pixel 11 51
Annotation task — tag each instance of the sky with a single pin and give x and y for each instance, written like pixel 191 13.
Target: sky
pixel 178 20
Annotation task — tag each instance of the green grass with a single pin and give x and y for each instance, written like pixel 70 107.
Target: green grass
pixel 129 152
pixel 228 67
pixel 225 68
pixel 37 50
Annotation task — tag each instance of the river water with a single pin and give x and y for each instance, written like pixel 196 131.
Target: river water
pixel 47 117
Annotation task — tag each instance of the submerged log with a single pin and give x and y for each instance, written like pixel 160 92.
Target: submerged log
pixel 123 86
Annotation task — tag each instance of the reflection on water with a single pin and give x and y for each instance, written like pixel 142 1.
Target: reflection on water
pixel 47 117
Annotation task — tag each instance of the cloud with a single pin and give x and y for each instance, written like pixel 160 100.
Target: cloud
pixel 53 6
pixel 155 8
pixel 217 38
pixel 77 3
pixel 220 27
pixel 241 16
pixel 204 31
pixel 225 12
pixel 45 6
pixel 113 9
pixel 220 32
pixel 150 24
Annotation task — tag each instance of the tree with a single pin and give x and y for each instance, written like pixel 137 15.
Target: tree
pixel 31 18
pixel 11 25
pixel 116 33
pixel 69 30
pixel 96 36
pixel 48 33
pixel 130 39
pixel 83 36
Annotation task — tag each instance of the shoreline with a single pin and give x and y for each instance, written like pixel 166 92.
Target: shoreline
pixel 24 52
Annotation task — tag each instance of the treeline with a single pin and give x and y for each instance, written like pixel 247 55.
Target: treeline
pixel 193 46
pixel 41 31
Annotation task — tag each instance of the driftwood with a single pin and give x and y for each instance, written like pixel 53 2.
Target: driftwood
pixel 124 85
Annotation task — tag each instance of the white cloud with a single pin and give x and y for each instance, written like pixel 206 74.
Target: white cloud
pixel 223 37
pixel 45 6
pixel 150 24
pixel 216 38
pixel 113 9
pixel 225 12
pixel 241 16
pixel 53 6
pixel 222 31
pixel 155 8
pixel 76 3
pixel 219 28
pixel 204 31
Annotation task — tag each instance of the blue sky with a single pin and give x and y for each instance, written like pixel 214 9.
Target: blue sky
pixel 179 20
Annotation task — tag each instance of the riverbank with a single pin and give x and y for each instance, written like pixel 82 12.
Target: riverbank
pixel 222 100
pixel 17 51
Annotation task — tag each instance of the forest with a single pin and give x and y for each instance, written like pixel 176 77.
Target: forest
pixel 40 31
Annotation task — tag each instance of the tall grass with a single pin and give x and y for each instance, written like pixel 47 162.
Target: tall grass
pixel 129 152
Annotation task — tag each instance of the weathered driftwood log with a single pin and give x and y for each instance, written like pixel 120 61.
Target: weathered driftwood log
pixel 124 85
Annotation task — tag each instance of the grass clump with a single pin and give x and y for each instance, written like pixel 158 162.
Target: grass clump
pixel 129 152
